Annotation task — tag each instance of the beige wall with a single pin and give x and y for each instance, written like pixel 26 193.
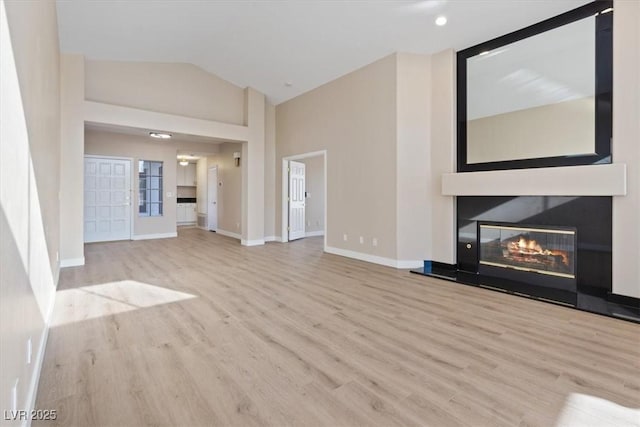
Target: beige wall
pixel 314 203
pixel 71 159
pixel 354 119
pixel 181 89
pixel 626 146
pixel 30 176
pixel 201 189
pixel 186 191
pixel 551 130
pixel 253 169
pixel 38 62
pixel 230 193
pixel 181 98
pixel 143 148
pixel 413 197
pixel 442 155
pixel 375 125
pixel 270 173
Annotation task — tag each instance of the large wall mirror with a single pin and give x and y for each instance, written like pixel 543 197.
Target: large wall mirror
pixel 540 96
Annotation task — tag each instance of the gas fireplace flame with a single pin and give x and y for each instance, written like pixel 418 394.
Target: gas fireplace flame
pixel 526 246
pixel 531 245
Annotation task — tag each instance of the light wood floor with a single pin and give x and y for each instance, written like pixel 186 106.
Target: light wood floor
pixel 201 331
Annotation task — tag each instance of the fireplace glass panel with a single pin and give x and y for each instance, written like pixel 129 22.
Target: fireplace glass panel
pixel 540 250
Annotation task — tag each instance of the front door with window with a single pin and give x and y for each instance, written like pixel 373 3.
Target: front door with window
pixel 107 199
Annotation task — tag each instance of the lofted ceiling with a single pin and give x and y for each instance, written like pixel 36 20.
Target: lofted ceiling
pixel 285 48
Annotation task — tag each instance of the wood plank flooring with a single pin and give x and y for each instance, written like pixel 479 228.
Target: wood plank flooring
pixel 199 330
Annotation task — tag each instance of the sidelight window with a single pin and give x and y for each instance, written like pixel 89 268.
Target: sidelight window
pixel 150 188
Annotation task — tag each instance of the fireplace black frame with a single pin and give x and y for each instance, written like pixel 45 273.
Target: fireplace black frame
pixel 590 215
pixel 530 277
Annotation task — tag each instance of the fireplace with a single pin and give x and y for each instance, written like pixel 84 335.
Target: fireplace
pixel 551 248
pixel 530 249
pixel 588 257
pixel 542 256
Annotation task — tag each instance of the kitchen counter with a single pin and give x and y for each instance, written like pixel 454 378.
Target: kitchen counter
pixel 186 200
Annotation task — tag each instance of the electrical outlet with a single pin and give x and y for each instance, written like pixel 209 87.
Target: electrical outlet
pixel 375 241
pixel 29 351
pixel 361 240
pixel 344 237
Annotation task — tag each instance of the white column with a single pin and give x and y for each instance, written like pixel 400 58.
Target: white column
pixel 626 146
pixel 253 177
pixel 413 171
pixel 443 148
pixel 270 172
pixel 71 160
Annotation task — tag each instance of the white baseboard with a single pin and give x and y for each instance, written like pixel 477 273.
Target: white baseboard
pixel 375 259
pixel 408 264
pixel 257 242
pixel 314 233
pixel 56 278
pixel 228 234
pixel 154 236
pixel 243 242
pixel 39 361
pixel 272 238
pixel 71 262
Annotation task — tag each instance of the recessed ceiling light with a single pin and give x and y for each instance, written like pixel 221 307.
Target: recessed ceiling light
pixel 159 135
pixel 441 20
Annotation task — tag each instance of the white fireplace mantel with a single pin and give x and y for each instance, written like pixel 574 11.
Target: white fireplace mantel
pixel 590 180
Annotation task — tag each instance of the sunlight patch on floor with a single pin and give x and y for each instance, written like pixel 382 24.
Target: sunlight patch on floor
pixel 91 302
pixel 584 410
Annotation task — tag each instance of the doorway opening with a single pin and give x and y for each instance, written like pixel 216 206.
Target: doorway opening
pixel 304 196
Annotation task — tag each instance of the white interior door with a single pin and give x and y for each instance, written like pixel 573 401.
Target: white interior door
pixel 107 199
pixel 296 200
pixel 212 199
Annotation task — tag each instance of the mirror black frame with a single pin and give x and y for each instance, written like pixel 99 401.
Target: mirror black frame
pixel 603 90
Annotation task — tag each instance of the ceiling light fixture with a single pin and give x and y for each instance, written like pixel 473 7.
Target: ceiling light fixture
pixel 184 162
pixel 441 20
pixel 159 135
